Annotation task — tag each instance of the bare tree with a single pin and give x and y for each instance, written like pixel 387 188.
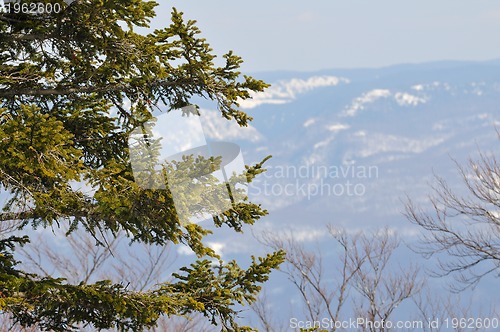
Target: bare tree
pixel 77 258
pixel 165 324
pixel 381 287
pixel 267 316
pixel 443 313
pixel 463 230
pixel 187 324
pixel 362 281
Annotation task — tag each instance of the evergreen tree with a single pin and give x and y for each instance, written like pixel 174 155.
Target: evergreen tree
pixel 64 80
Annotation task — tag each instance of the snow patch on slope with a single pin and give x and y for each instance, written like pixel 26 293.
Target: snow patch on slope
pixel 323 143
pixel 370 97
pixel 406 99
pixel 376 143
pixel 336 127
pixel 432 86
pixel 309 122
pixel 284 92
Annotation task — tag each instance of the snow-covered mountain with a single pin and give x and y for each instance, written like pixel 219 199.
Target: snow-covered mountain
pixel 348 145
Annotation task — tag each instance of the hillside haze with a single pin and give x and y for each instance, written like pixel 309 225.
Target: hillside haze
pixel 348 145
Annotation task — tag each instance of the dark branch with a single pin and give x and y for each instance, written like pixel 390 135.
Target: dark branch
pixel 115 87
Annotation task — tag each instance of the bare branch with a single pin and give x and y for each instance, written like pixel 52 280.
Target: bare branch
pixel 465 228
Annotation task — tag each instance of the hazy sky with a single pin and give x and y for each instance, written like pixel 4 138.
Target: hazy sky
pixel 321 34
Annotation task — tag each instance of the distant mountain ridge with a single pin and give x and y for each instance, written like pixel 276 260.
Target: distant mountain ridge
pixel 348 145
pixel 407 120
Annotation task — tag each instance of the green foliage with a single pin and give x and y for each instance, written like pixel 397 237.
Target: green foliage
pixel 203 287
pixel 64 80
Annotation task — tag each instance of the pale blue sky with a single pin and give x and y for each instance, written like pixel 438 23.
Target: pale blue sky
pixel 321 34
